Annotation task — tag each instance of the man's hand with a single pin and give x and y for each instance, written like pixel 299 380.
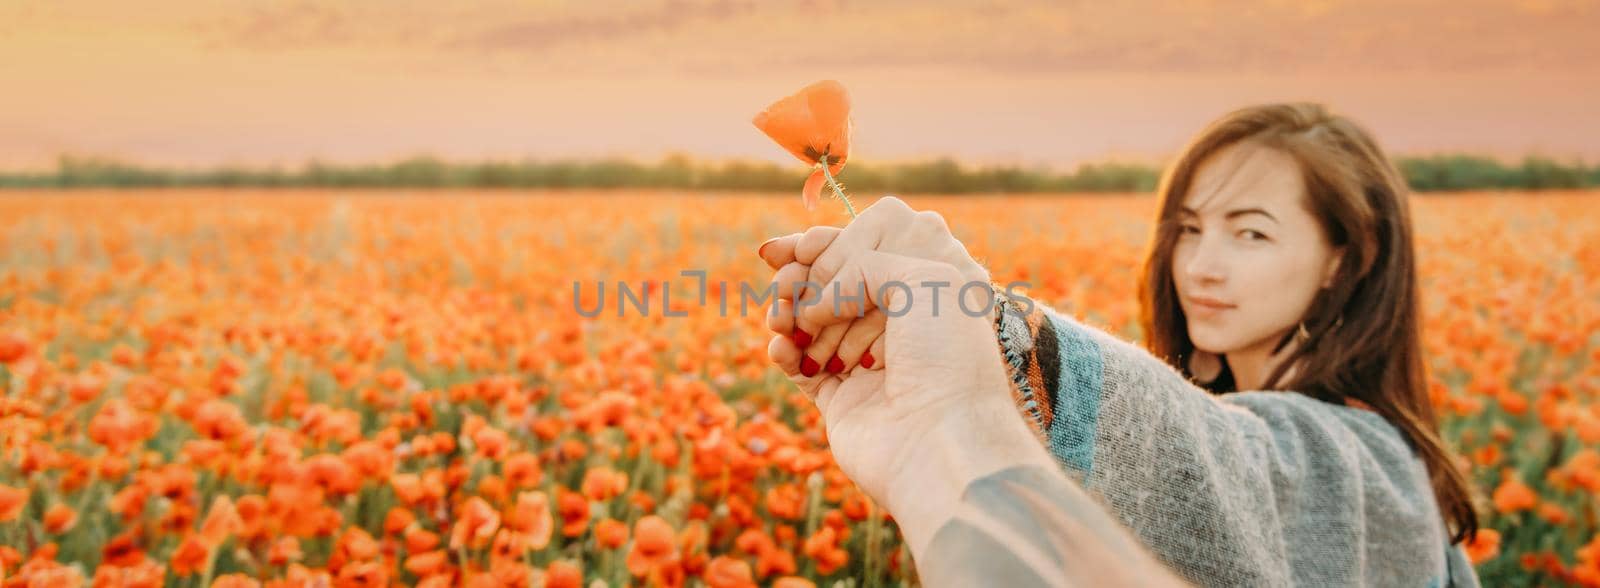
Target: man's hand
pixel 815 256
pixel 938 415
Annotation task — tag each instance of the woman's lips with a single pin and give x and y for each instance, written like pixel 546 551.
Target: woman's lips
pixel 1209 306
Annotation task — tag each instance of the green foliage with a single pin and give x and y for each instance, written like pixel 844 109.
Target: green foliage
pixel 939 176
pixel 1465 172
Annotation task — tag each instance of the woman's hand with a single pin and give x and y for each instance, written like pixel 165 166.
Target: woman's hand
pixel 814 257
pixel 939 413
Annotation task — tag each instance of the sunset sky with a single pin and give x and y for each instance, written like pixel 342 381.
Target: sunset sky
pixel 201 82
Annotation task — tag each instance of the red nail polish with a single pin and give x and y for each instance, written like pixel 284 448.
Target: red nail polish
pixel 801 338
pixel 808 366
pixel 835 365
pixel 867 360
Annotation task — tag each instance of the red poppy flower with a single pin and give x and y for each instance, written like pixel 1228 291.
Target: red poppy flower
pixel 812 123
pixel 12 501
pixel 652 546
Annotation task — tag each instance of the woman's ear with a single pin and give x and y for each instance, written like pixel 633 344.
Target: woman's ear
pixel 1333 267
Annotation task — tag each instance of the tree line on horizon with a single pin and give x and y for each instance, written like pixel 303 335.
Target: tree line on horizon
pixel 938 176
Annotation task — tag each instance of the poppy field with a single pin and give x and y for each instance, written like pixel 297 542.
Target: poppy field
pixel 345 388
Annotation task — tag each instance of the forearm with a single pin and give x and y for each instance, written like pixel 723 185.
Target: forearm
pixel 1014 518
pixel 1028 525
pixel 962 447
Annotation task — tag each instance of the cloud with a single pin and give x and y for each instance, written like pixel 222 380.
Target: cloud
pixel 487 26
pixel 277 27
pixel 541 32
pixel 738 37
pixel 300 23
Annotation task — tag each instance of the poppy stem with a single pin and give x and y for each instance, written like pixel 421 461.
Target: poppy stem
pixel 838 190
pixel 211 561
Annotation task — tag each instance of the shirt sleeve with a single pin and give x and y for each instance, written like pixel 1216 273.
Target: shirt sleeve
pixel 1253 488
pixel 1029 525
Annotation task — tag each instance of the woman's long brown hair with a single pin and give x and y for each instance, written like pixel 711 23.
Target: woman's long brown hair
pixel 1365 332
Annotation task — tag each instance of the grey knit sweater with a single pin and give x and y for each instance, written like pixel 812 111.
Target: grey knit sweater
pixel 1245 489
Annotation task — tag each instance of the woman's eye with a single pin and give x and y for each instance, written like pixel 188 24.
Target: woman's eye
pixel 1188 229
pixel 1253 235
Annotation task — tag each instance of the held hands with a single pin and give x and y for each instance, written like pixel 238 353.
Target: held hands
pixel 806 262
pixel 935 412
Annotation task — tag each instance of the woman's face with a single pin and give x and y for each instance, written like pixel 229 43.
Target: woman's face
pixel 1249 257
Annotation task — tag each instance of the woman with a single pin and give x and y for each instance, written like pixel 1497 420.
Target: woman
pixel 1278 430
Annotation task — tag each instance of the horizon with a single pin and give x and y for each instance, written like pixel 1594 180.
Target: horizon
pixel 55 164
